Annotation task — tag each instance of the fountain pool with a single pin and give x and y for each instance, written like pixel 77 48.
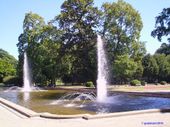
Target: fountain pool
pixel 61 102
pixel 71 102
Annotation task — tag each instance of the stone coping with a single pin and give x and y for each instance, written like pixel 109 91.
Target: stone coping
pixel 24 111
pixel 29 113
pixel 128 113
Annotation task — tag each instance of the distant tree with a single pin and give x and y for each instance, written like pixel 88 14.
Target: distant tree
pixel 164 66
pixel 7 65
pixel 168 62
pixel 124 68
pixel 162 25
pixel 164 49
pixel 151 68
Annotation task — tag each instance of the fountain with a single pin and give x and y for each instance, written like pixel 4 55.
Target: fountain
pixel 71 102
pixel 26 75
pixel 101 82
pixel 102 71
pixel 77 99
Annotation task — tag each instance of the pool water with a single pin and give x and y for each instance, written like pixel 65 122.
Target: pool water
pixel 50 101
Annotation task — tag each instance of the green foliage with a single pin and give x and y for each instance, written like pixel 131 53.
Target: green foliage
pixel 11 80
pixel 59 82
pixel 164 66
pixel 135 82
pixel 2 84
pixel 65 48
pixel 164 49
pixel 143 83
pixel 89 84
pixel 122 26
pixel 78 19
pixel 124 68
pixel 7 65
pixel 151 68
pixel 162 25
pixel 163 82
pixel 42 44
pixel 156 68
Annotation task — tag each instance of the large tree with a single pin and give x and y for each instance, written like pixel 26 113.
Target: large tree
pixel 78 19
pixel 32 25
pixel 122 25
pixel 42 43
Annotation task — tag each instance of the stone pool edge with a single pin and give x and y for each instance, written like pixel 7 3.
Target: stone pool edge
pixel 29 113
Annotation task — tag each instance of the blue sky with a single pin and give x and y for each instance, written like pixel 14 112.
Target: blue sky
pixel 12 14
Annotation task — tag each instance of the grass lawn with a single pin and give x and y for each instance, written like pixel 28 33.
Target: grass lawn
pixel 147 88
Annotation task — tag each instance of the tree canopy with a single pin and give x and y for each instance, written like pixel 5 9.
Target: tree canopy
pixel 162 25
pixel 65 47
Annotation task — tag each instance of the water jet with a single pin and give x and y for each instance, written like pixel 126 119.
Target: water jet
pixel 26 75
pixel 102 71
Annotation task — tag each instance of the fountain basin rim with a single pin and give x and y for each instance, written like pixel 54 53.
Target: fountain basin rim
pixel 29 113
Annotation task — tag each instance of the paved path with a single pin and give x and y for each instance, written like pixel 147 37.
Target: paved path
pixel 11 118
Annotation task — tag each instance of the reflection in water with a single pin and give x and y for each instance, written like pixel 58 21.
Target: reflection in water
pixel 52 101
pixel 26 96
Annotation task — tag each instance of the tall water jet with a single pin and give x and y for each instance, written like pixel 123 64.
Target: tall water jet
pixel 26 75
pixel 102 71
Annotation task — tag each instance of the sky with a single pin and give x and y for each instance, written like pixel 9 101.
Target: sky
pixel 12 13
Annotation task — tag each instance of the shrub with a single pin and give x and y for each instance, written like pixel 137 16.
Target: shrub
pixel 143 83
pixel 135 82
pixel 89 84
pixel 11 80
pixel 2 84
pixel 163 82
pixel 59 82
pixel 156 83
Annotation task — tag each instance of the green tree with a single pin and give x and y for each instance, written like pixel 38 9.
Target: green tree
pixel 78 19
pixel 122 25
pixel 164 66
pixel 28 40
pixel 47 59
pixel 32 26
pixel 164 49
pixel 168 72
pixel 7 65
pixel 42 44
pixel 151 68
pixel 162 25
pixel 124 68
